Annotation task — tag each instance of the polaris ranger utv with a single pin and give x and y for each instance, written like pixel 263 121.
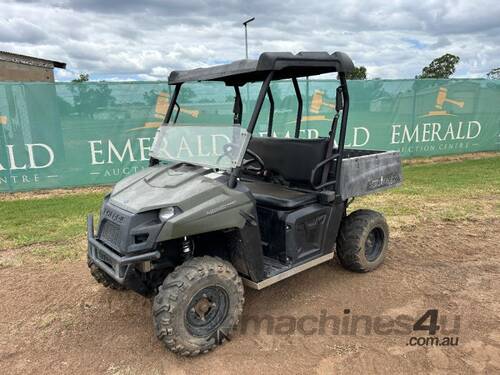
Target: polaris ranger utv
pixel 194 227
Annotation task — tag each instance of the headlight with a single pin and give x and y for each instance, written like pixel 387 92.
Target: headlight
pixel 166 213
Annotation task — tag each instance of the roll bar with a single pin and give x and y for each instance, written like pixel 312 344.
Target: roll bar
pixel 325 165
pixel 271 112
pixel 343 128
pixel 238 107
pixel 299 106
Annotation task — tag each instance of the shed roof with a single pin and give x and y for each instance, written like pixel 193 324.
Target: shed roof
pixel 30 60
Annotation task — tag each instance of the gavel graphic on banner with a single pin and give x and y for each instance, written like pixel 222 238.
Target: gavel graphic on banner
pixel 162 106
pixel 162 103
pixel 442 98
pixel 317 102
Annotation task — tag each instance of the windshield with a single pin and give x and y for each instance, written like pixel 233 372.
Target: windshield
pixel 210 146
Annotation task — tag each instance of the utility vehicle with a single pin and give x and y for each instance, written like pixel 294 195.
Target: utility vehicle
pixel 194 227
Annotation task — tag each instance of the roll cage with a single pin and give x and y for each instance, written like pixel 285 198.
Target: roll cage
pixel 273 66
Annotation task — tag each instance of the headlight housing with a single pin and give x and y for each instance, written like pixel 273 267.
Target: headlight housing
pixel 167 213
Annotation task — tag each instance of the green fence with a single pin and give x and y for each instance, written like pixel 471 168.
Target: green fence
pixel 67 134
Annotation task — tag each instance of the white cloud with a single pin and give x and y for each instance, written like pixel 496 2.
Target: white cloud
pixel 129 39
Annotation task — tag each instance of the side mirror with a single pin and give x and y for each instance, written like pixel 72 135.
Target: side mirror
pixel 339 100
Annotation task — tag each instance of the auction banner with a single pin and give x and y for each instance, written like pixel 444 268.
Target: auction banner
pixel 56 135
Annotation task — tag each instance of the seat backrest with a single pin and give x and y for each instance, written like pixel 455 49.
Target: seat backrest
pixel 292 158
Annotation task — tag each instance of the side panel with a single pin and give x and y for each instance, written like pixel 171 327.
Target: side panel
pixel 370 172
pixel 294 236
pixel 305 231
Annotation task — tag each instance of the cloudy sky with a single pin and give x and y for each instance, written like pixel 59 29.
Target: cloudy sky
pixel 144 40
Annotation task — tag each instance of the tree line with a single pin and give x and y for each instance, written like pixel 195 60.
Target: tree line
pixel 442 67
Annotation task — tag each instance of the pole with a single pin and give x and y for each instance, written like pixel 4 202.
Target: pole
pixel 246 42
pixel 246 35
pixel 246 54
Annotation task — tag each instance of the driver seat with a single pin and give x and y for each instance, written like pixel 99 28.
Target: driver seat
pixel 278 196
pixel 293 160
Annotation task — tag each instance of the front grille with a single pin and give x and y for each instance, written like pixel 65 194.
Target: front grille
pixel 111 234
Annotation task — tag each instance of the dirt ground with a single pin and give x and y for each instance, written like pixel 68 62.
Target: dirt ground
pixel 56 319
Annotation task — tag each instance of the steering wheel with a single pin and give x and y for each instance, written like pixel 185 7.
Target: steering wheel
pixel 228 148
pixel 255 158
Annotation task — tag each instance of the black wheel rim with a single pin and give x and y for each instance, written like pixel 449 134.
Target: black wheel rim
pixel 374 244
pixel 207 310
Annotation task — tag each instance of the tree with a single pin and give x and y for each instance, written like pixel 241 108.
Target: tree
pixel 89 98
pixel 82 77
pixel 151 97
pixel 494 73
pixel 186 95
pixel 441 67
pixel 359 72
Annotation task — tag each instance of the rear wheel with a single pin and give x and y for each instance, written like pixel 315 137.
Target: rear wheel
pixel 102 278
pixel 198 305
pixel 362 241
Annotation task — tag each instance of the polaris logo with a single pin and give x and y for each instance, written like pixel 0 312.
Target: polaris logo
pixel 113 216
pixel 382 181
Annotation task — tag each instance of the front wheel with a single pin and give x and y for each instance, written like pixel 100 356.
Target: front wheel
pixel 362 241
pixel 198 305
pixel 102 278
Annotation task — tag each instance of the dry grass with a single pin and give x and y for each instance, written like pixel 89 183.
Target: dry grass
pixel 451 158
pixel 47 194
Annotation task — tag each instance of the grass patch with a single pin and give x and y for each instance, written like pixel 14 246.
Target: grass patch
pixel 466 177
pixel 51 227
pixel 55 219
pixel 448 191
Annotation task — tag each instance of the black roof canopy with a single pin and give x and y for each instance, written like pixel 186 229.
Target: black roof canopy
pixel 284 64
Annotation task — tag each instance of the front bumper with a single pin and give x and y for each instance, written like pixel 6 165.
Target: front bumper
pixel 119 268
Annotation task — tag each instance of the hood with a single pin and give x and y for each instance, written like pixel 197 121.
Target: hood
pixel 160 186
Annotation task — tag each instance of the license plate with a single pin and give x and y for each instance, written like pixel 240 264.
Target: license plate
pixel 104 257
